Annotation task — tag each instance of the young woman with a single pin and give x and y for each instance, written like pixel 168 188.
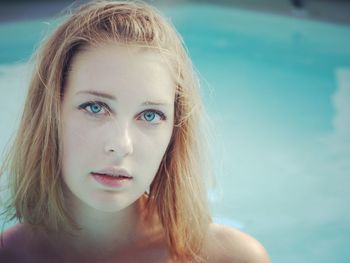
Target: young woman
pixel 107 165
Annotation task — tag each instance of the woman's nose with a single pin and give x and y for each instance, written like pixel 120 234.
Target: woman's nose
pixel 119 141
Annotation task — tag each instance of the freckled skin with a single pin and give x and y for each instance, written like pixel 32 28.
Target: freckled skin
pixel 132 76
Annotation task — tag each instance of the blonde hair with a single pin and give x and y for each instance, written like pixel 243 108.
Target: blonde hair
pixel 34 162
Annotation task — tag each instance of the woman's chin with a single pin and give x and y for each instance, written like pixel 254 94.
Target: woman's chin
pixel 110 204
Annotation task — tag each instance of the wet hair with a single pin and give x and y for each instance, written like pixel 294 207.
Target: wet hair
pixel 34 162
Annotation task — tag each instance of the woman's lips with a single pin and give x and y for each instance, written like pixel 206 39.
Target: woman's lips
pixel 111 181
pixel 114 171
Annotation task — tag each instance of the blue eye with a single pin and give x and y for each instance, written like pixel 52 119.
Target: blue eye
pixel 95 107
pixel 98 109
pixel 150 115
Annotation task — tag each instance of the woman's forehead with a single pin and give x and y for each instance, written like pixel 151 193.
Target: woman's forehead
pixel 120 69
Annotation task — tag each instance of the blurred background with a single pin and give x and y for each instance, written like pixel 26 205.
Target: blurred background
pixel 275 80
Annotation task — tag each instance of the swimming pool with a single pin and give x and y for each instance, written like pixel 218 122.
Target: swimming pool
pixel 278 92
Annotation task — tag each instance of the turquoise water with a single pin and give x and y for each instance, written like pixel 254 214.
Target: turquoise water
pixel 278 93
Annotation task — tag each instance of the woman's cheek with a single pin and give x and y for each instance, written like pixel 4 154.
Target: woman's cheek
pixel 78 131
pixel 158 140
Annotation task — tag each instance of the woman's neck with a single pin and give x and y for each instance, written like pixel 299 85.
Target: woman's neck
pixel 125 235
pixel 103 234
pixel 101 228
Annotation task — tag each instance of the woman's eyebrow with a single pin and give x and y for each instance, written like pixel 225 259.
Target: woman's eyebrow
pixel 98 94
pixel 155 103
pixel 111 97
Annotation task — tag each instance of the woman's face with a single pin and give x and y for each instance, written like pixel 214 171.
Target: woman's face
pixel 117 113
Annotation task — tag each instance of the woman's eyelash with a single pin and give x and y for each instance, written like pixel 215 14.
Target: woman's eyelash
pixel 91 103
pixel 105 106
pixel 161 114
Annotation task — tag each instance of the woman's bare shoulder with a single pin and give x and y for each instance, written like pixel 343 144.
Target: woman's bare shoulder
pixel 227 244
pixel 11 244
pixel 12 236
